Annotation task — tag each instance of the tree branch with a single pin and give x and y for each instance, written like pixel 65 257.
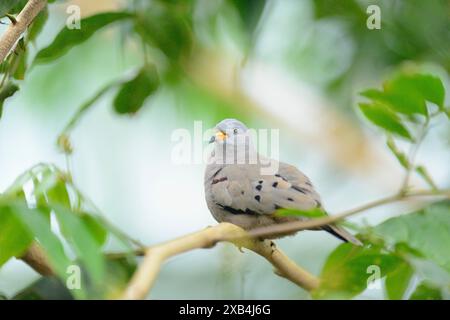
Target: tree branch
pixel 144 278
pixel 36 258
pixel 16 29
pixel 154 256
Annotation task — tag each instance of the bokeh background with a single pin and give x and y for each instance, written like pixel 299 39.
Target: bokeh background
pixel 292 65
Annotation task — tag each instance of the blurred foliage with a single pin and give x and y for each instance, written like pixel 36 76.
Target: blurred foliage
pixel 377 51
pixel 69 38
pixel 315 213
pixel 46 288
pixel 404 108
pixel 82 233
pixel 398 247
pixel 169 36
pixel 412 245
pixel 133 93
pixel 5 92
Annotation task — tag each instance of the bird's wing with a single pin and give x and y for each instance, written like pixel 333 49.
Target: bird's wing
pixel 244 188
pixel 301 182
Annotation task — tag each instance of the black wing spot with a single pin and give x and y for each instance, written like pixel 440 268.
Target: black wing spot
pixel 275 184
pixel 258 198
pixel 290 199
pixel 299 189
pixel 237 211
pixel 217 172
pixel 260 181
pixel 242 192
pixel 280 176
pixel 219 180
pixel 259 187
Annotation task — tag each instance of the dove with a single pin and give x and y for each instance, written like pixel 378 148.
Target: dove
pixel 239 191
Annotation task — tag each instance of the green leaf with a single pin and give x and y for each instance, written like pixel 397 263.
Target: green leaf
pixel 133 93
pixel 397 281
pixel 21 65
pixel 348 269
pixel 7 6
pixel 399 100
pixel 430 272
pixel 45 288
pixel 384 118
pixel 166 29
pixel 118 274
pixel 37 224
pixel 447 111
pixel 38 24
pixel 14 237
pixel 423 172
pixel 419 86
pixel 5 92
pixel 427 231
pixel 59 194
pixel 401 157
pixel 67 39
pixel 95 227
pixel 41 201
pixel 313 213
pixel 53 185
pixel 250 12
pixel 82 240
pixel 408 93
pixel 4 66
pixel 424 291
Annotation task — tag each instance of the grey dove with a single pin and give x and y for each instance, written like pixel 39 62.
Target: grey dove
pixel 239 190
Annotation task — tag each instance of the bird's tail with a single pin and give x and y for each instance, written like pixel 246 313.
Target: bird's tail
pixel 342 234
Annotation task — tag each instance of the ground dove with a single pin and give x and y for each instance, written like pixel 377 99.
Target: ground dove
pixel 240 188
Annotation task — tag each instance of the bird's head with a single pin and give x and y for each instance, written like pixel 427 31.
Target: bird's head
pixel 230 132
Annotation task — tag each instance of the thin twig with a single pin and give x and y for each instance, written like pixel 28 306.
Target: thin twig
pixel 144 278
pixel 412 156
pixel 314 223
pixel 15 30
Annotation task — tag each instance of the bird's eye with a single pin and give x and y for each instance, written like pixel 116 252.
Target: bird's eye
pixel 235 131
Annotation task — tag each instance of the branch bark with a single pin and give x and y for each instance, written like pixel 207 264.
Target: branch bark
pixel 15 30
pixel 144 278
pixel 36 259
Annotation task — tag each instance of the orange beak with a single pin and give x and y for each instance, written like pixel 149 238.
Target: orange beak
pixel 220 136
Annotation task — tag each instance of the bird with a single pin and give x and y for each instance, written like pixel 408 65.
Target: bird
pixel 238 190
